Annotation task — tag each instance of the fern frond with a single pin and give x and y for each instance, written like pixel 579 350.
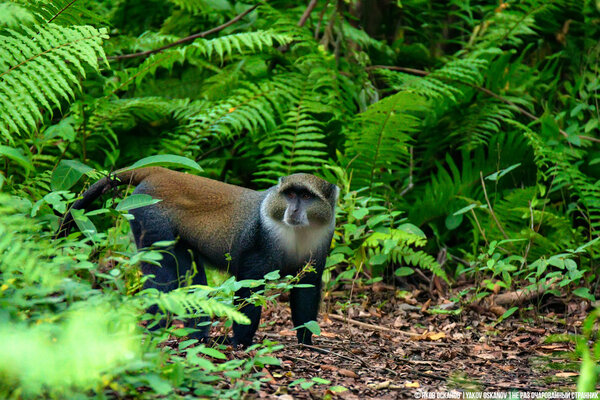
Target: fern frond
pixel 40 69
pixel 397 245
pixel 562 167
pixel 186 301
pixel 110 117
pixel 166 59
pixel 124 44
pixel 14 16
pixel 444 84
pixel 63 12
pixel 551 233
pixel 253 107
pixel 296 146
pixel 479 122
pixel 239 43
pixel 458 176
pixel 200 6
pixel 505 28
pixel 360 37
pixel 379 142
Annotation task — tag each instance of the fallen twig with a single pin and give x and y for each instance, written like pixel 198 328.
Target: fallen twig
pixel 521 296
pixel 302 359
pixel 333 353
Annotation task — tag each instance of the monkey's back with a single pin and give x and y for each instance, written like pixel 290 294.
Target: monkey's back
pixel 206 213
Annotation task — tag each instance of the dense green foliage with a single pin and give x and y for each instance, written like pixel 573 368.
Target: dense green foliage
pixel 463 134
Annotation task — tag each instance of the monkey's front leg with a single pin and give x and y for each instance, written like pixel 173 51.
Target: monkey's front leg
pixel 243 334
pixel 304 303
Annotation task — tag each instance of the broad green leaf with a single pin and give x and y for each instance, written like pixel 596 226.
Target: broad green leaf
pixel 214 353
pixel 321 381
pixel 549 127
pixel 374 221
pixel 67 173
pixel 499 174
pixel 17 156
pixel 585 293
pixel 165 160
pixel 297 381
pixel 159 385
pixel 574 140
pixel 268 360
pixel 313 326
pixel 404 271
pixel 136 201
pixel 378 259
pixel 453 221
pixel 507 314
pixel 338 389
pixel 193 357
pixel 84 224
pixel 64 130
pixel 588 376
pixel 410 228
pixel 56 201
pixel 465 209
pixel 334 259
pixel 272 276
pixel 360 213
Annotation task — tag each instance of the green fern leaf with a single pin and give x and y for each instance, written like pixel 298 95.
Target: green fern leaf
pixel 37 68
pixel 379 143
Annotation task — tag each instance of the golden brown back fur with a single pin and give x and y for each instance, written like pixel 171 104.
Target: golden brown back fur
pixel 206 209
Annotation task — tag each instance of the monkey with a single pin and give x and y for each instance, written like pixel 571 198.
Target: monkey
pixel 282 228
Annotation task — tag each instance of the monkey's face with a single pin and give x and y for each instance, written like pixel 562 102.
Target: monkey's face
pixel 298 207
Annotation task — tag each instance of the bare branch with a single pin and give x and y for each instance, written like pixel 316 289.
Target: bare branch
pixel 185 39
pixel 306 14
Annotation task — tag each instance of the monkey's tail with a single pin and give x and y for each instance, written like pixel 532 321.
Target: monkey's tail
pixel 130 177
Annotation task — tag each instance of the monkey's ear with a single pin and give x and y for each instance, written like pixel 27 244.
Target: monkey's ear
pixel 333 191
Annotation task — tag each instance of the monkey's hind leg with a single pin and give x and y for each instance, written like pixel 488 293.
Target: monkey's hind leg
pixel 151 225
pixel 202 324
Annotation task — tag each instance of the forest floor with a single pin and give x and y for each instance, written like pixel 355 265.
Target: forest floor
pixel 389 346
pixel 381 342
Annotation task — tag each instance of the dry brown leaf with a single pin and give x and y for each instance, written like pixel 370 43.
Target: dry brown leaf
pixel 425 306
pixel 430 336
pixel 487 356
pixel 496 288
pixel 269 376
pixel 497 310
pixel 347 372
pixel 380 385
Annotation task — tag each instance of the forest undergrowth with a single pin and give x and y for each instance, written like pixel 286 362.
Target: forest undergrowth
pixel 463 135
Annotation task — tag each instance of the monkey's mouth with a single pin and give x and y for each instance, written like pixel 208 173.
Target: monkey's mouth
pixel 294 223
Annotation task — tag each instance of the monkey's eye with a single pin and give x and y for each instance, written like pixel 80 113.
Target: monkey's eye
pixel 306 196
pixel 290 195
